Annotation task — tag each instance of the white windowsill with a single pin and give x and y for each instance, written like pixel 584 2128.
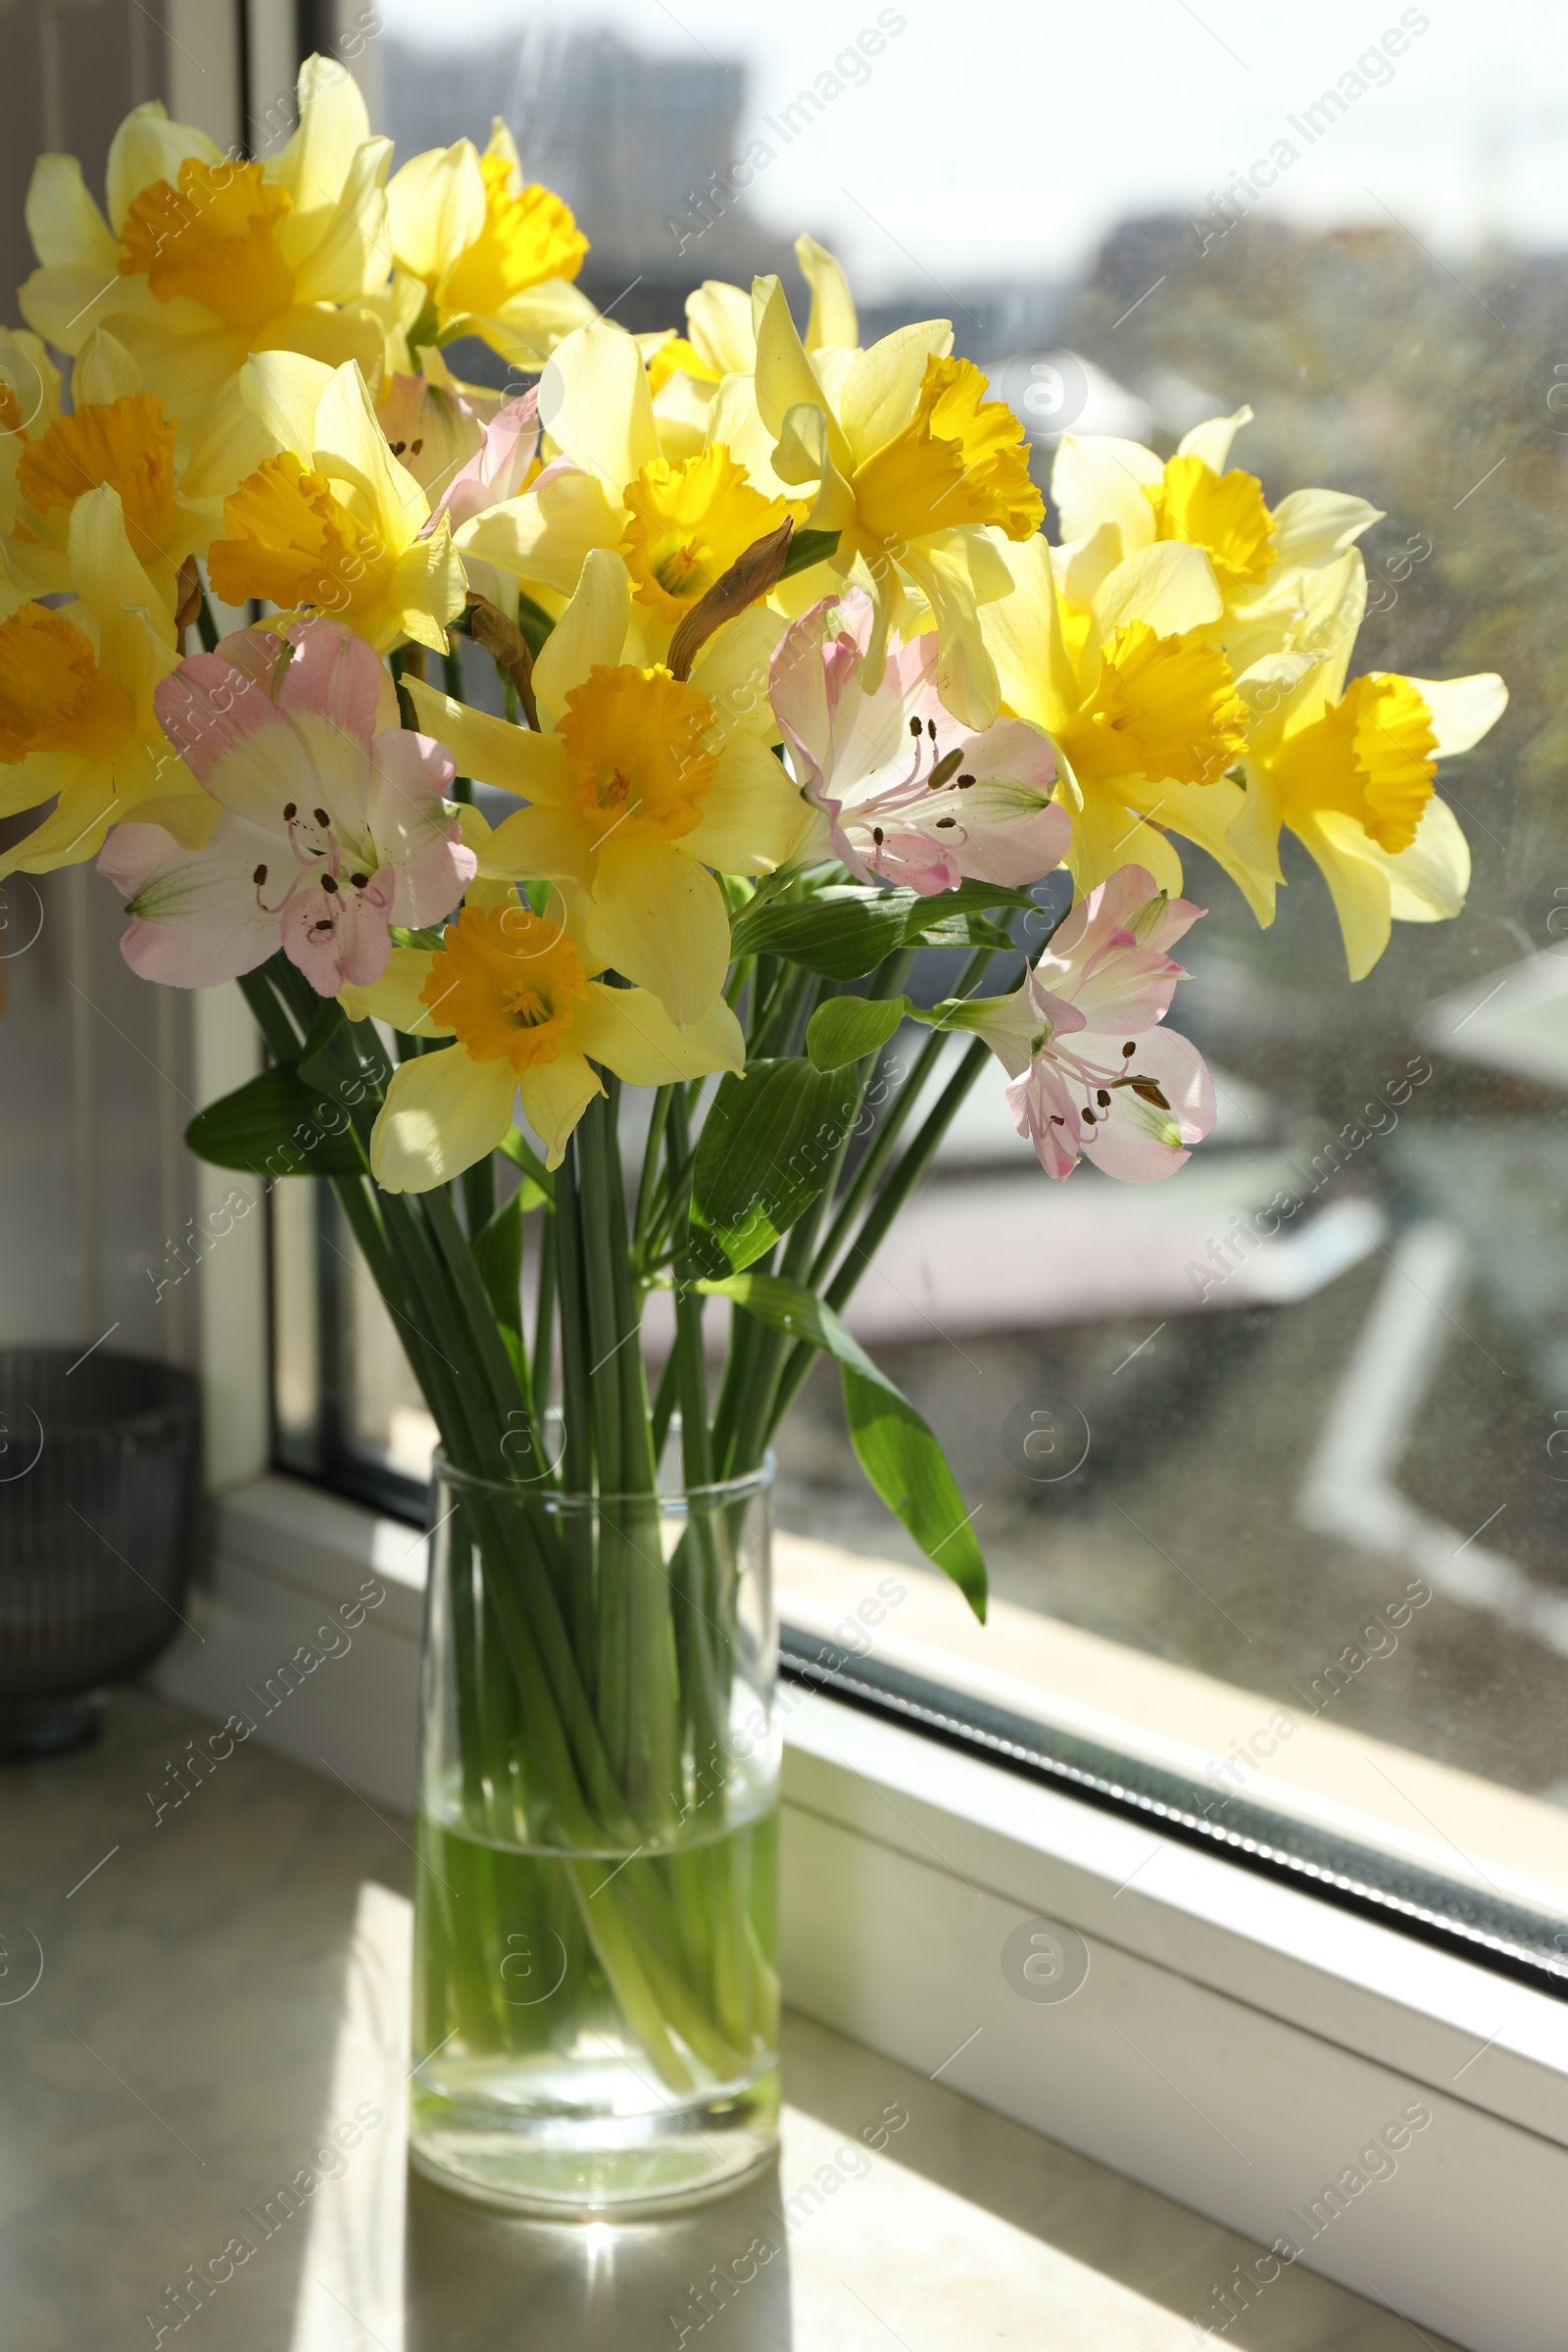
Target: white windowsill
pixel 1236 2042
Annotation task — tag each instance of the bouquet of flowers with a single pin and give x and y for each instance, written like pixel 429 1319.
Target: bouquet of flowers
pixel 775 679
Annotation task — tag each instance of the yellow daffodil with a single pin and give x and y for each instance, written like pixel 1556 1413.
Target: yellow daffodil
pixel 1115 498
pixel 912 467
pixel 1349 770
pixel 77 719
pixel 203 260
pixel 318 512
pixel 1141 707
pixel 495 256
pixel 677 524
pixel 114 434
pixel 521 996
pixel 639 784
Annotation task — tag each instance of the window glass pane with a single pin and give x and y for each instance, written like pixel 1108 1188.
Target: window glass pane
pixel 1296 1421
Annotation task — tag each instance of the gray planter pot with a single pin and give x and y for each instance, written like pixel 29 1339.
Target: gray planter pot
pixel 99 1470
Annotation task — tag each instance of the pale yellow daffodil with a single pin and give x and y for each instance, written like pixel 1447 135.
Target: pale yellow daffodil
pixel 494 254
pixel 912 468
pixel 521 997
pixel 1349 770
pixel 203 260
pixel 1141 707
pixel 677 524
pixel 1115 498
pixel 76 719
pixel 118 434
pixel 318 512
pixel 638 786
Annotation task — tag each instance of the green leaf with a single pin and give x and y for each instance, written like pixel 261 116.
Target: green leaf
pixel 841 933
pixel 276 1125
pixel 967 931
pixel 807 548
pixel 537 1181
pixel 768 1145
pixel 896 1449
pixel 497 1249
pixel 930 918
pixel 846 1028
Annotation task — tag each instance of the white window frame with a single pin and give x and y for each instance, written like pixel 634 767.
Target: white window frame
pixel 1238 2042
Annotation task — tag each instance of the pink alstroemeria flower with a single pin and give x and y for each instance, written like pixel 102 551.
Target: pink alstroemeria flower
pixel 1094 1075
pixel 497 467
pixel 907 793
pixel 331 820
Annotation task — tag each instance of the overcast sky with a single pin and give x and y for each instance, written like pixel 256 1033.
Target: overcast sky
pixel 999 137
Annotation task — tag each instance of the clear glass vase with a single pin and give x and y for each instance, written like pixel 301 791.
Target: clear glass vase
pixel 596 1976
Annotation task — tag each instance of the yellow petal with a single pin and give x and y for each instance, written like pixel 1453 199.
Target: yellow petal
pixel 349 337
pixel 103 372
pixel 267 406
pixel 1098 478
pixel 1315 526
pixel 752 815
pixel 1428 881
pixel 436 206
pixel 628 1030
pixel 284 390
pixel 833 319
pixel 883 387
pixel 333 124
pixel 1462 708
pixel 784 377
pixel 1212 440
pixel 546 845
pixel 967 675
pixel 735 422
pixel 718 318
pixel 590 632
pixel 512 758
pixel 426 588
pixel 72 832
pixel 1358 883
pixel 1107 834
pixel 732 670
pixel 147 147
pixel 1023 635
pixel 395 997
pixel 555 1095
pixel 135 633
pixel 595 405
pixel 66 228
pixel 350 446
pixel 442 1112
pixel 1207 813
pixel 531 325
pixel 658 918
pixel 546 535
pixel 339 248
pixel 1170 585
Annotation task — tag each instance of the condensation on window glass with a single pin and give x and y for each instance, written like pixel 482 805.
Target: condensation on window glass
pixel 1318 1383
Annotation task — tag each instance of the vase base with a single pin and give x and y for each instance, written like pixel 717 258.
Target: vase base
pixel 597 2168
pixel 49 1727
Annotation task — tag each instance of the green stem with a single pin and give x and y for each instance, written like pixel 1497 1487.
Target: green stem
pixel 902 1181
pixel 880 1148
